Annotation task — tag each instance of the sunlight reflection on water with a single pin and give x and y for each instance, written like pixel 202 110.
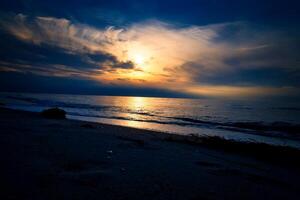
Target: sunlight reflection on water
pixel 180 116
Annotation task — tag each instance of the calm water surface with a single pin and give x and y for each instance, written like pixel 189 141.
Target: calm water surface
pixel 269 122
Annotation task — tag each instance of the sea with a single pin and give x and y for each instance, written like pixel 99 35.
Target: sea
pixel 272 122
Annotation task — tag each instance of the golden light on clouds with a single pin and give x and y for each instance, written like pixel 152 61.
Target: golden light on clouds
pixel 153 54
pixel 157 50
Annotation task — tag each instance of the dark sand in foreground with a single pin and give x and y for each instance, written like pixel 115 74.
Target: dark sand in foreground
pixel 66 159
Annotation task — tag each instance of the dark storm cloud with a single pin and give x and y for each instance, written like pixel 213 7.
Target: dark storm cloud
pixel 48 58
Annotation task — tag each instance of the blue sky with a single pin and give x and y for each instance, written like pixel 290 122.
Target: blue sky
pixel 151 48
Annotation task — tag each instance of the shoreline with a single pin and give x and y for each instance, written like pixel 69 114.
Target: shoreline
pixel 57 159
pixel 263 151
pixel 235 136
pixel 214 142
pixel 246 135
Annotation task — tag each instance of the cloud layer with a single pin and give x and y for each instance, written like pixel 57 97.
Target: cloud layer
pixel 204 60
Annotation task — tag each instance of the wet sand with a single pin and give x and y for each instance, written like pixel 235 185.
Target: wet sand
pixel 68 159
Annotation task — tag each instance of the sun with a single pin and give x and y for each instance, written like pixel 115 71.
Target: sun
pixel 139 59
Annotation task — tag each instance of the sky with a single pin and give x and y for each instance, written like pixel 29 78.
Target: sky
pixel 203 48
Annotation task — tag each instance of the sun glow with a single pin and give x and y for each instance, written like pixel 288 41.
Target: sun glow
pixel 139 59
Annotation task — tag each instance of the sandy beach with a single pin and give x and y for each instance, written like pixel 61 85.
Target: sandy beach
pixel 67 159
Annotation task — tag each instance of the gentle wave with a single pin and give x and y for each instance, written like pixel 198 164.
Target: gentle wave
pixel 279 129
pixel 256 126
